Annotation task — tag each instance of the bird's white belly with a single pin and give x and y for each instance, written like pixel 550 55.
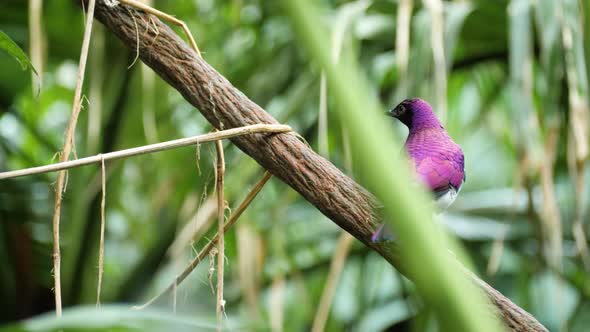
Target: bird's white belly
pixel 444 201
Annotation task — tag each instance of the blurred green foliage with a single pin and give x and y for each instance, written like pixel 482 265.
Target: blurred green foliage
pixel 9 46
pixel 517 97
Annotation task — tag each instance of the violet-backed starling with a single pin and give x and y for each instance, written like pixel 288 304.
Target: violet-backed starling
pixel 435 158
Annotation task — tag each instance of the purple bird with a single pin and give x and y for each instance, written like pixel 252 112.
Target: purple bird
pixel 435 158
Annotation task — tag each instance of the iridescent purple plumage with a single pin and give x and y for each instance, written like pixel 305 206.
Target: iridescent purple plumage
pixel 436 159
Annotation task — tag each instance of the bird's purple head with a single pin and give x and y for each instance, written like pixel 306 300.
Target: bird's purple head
pixel 416 114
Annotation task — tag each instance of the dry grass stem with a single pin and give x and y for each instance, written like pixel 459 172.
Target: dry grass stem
pixel 550 211
pixel 581 243
pixel 438 52
pixel 219 174
pixel 36 43
pixel 576 170
pixel 207 249
pixel 250 265
pixel 496 255
pixel 346 150
pixel 174 297
pixel 148 83
pixel 402 41
pixel 323 118
pixel 344 243
pixel 148 114
pixel 102 230
pixel 498 244
pixel 211 270
pixel 277 303
pixel 96 90
pixel 194 229
pixel 166 17
pixel 579 114
pixel 252 129
pixel 65 155
pixel 346 16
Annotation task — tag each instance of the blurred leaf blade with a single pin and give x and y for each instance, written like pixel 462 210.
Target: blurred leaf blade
pixel 10 47
pixel 113 317
pixel 352 97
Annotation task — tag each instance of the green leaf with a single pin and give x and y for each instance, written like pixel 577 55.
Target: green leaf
pixel 10 47
pixel 114 318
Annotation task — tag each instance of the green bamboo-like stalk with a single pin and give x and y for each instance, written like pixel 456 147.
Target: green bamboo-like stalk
pixel 521 62
pixel 460 306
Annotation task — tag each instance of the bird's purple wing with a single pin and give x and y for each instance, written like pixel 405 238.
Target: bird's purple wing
pixel 438 170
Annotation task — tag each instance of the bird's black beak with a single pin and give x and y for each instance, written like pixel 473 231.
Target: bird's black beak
pixel 390 113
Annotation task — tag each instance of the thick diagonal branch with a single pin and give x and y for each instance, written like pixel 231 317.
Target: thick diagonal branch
pixel 286 156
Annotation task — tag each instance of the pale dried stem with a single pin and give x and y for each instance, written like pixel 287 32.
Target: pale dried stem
pixel 323 118
pixel 343 22
pixel 96 91
pixel 174 296
pixel 36 42
pixel 438 52
pixel 211 270
pixel 219 174
pixel 65 155
pixel 250 264
pixel 205 251
pixel 576 170
pixel 173 144
pixel 167 17
pixel 277 303
pixel 148 115
pixel 102 230
pixel 402 41
pixel 346 150
pixel 581 243
pixel 494 261
pixel 579 113
pixel 344 243
pixel 498 245
pixel 551 217
pixel 194 229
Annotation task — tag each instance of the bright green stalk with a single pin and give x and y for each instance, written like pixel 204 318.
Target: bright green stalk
pixel 423 247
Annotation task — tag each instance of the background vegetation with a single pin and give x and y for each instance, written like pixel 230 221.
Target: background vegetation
pixel 508 77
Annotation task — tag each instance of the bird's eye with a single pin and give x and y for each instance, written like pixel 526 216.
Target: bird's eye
pixel 401 109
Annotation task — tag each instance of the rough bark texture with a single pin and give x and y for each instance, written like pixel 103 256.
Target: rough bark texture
pixel 285 155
